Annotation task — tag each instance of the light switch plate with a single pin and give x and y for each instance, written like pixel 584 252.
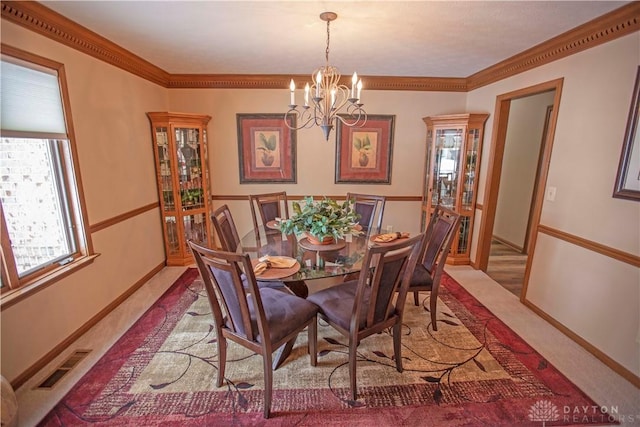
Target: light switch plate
pixel 551 194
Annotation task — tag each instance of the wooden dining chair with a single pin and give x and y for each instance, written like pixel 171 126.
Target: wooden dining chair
pixel 259 319
pixel 267 207
pixel 225 229
pixel 230 241
pixel 370 207
pixel 439 235
pixel 366 306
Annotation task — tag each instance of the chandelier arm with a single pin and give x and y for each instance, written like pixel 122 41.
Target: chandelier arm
pixel 304 118
pixel 355 116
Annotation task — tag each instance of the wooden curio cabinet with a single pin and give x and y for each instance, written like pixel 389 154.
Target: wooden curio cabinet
pixel 180 151
pixel 454 144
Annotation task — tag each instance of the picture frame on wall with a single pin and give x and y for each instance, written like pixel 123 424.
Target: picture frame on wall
pixel 266 148
pixel 364 154
pixel 628 177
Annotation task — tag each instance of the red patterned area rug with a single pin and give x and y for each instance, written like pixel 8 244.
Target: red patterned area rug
pixel 474 371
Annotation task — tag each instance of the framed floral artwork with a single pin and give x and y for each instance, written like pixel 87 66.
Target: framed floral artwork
pixel 364 154
pixel 266 148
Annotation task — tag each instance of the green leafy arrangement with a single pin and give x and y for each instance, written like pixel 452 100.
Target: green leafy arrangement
pixel 322 218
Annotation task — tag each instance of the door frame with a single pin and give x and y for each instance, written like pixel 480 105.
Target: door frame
pixel 492 186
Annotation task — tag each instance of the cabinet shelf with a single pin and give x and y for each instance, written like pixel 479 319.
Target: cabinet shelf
pixel 454 144
pixel 180 151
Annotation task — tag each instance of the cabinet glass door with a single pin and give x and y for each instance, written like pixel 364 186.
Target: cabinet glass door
pixel 471 157
pixel 446 167
pixel 165 165
pixel 172 235
pixel 195 228
pixel 189 168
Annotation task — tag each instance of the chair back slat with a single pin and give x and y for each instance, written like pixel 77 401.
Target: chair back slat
pixel 269 210
pixel 225 229
pixel 440 227
pixel 267 207
pixel 389 271
pixel 371 210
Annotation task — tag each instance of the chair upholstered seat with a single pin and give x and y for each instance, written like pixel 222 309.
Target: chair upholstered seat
pixel 336 303
pixel 283 313
pixel 422 278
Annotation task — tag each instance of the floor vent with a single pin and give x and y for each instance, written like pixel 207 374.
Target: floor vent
pixel 63 369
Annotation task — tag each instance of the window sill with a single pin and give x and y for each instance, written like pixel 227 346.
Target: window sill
pixel 13 296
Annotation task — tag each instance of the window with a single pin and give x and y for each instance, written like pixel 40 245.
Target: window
pixel 43 233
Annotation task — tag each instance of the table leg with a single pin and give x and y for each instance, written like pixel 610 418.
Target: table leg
pixel 298 288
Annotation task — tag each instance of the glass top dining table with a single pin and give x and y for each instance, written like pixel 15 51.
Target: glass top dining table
pixel 316 261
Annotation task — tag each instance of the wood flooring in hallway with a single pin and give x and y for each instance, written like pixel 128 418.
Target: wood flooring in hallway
pixel 506 266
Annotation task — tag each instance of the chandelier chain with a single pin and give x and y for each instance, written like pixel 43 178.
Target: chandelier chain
pixel 328 35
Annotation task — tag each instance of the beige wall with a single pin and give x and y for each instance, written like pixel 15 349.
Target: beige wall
pixel 593 295
pixel 116 163
pixel 315 155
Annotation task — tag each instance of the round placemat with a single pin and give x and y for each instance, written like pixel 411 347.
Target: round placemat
pixel 373 242
pixel 275 273
pixel 273 224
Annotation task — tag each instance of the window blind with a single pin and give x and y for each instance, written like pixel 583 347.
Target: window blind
pixel 30 101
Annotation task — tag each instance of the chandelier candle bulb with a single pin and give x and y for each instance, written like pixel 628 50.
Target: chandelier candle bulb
pixel 306 95
pixel 333 97
pixel 354 83
pixel 359 89
pixel 292 86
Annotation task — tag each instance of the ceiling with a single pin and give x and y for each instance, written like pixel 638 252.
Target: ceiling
pixel 374 38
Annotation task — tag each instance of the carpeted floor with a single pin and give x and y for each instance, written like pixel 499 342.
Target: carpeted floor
pixel 472 371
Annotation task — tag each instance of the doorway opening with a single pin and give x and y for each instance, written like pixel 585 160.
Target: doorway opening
pixel 524 126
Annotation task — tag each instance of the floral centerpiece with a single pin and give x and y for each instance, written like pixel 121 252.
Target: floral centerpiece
pixel 324 221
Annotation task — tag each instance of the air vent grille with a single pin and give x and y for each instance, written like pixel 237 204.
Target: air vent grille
pixel 63 369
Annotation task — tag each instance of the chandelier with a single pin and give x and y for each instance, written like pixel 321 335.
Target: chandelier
pixel 325 98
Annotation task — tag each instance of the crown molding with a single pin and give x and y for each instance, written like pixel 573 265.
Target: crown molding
pixel 38 18
pixel 281 81
pixel 608 27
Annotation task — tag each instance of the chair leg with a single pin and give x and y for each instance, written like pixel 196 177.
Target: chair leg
pixel 353 350
pixel 415 298
pixel 433 301
pixel 397 345
pixel 313 341
pixel 222 358
pixel 268 384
